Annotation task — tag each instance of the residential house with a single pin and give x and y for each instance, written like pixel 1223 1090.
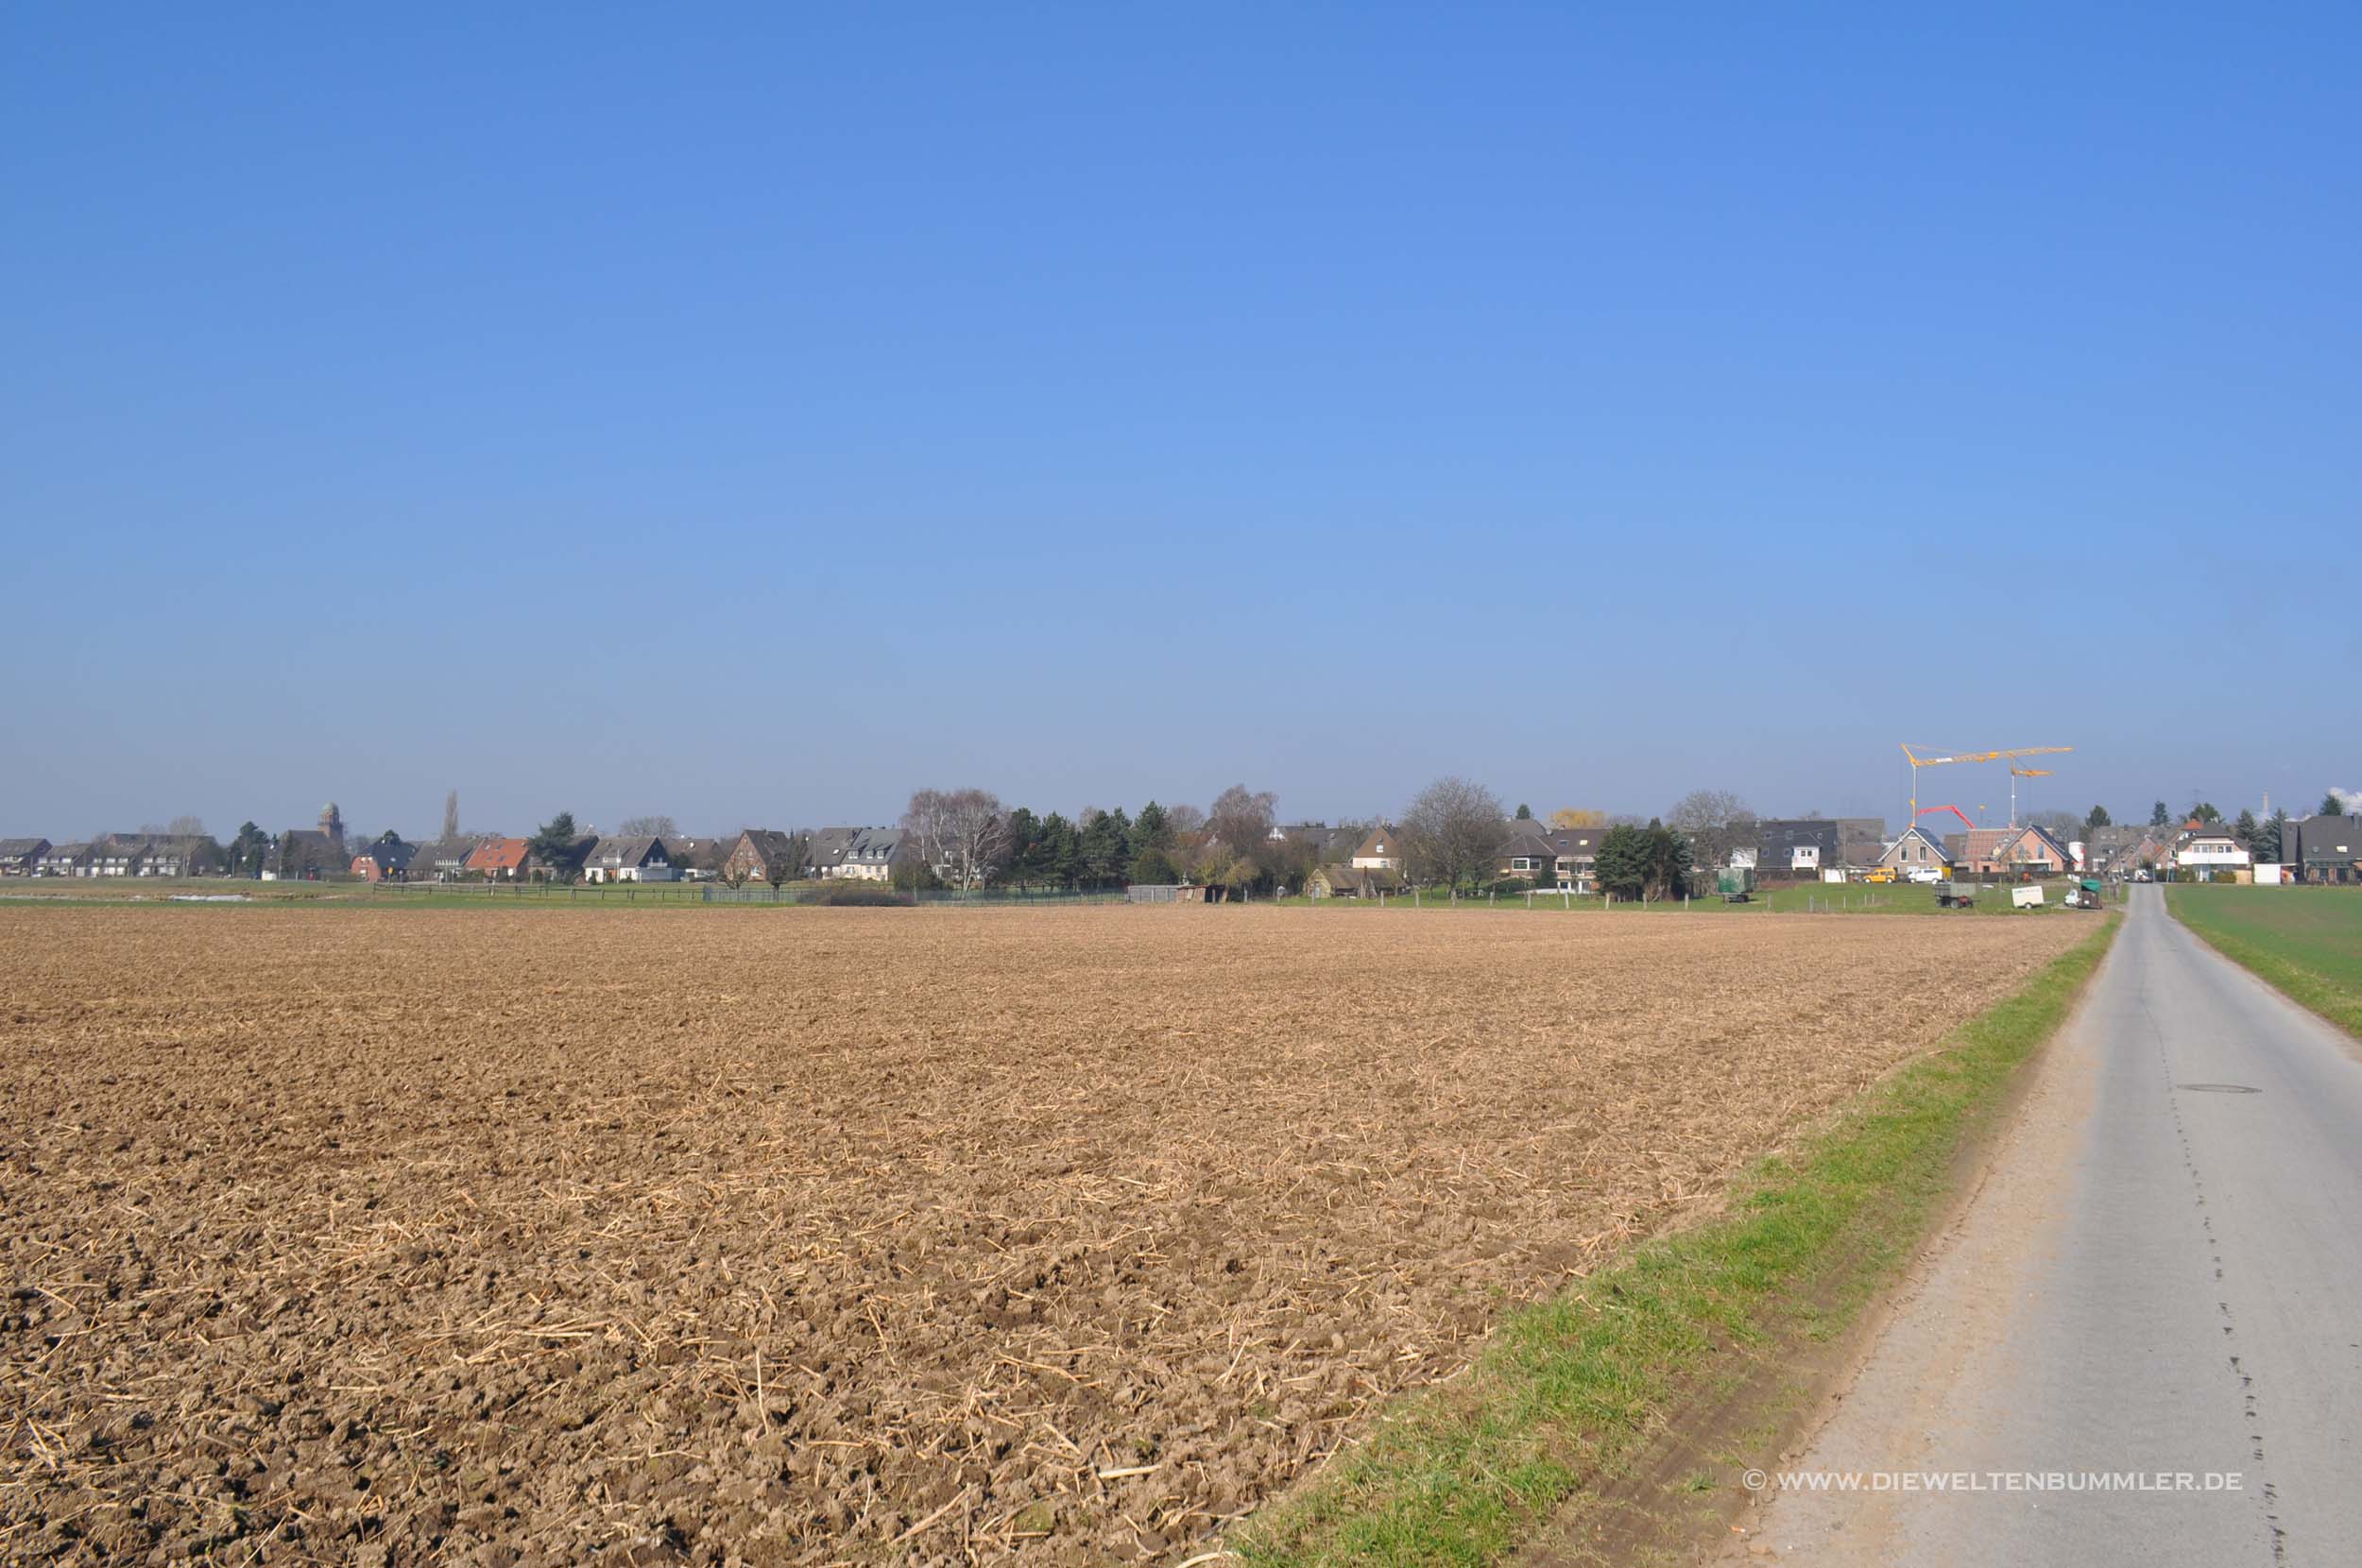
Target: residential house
pixel 387 861
pixel 628 858
pixel 444 860
pixel 870 857
pixel 1379 850
pixel 1574 855
pixel 2028 851
pixel 1913 849
pixel 63 859
pixel 762 854
pixel 1335 880
pixel 22 856
pixel 1798 848
pixel 2322 849
pixel 497 860
pixel 2210 852
pixel 116 854
pixel 1527 852
pixel 174 855
pixel 824 851
pixel 699 859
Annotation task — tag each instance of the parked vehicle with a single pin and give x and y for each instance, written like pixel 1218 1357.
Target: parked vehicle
pixel 2085 894
pixel 1736 883
pixel 1955 895
pixel 2026 897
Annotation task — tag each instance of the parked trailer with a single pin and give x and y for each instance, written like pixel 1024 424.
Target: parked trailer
pixel 2026 898
pixel 1736 883
pixel 1956 895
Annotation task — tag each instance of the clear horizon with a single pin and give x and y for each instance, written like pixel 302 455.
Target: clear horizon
pixel 755 421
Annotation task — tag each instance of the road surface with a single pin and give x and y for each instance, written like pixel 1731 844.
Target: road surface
pixel 2161 1276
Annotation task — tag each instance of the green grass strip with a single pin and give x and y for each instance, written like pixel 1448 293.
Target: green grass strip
pixel 2306 941
pixel 1574 1387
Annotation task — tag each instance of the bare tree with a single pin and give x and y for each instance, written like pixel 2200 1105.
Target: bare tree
pixel 187 828
pixel 1715 822
pixel 960 833
pixel 451 816
pixel 1452 832
pixel 654 827
pixel 1242 821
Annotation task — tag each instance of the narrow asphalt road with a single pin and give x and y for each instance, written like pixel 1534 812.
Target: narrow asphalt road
pixel 2161 1273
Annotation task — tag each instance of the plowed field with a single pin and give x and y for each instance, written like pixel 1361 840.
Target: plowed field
pixel 781 1236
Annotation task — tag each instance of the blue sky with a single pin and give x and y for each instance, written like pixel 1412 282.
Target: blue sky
pixel 751 415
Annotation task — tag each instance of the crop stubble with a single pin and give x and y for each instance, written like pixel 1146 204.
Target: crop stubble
pixel 502 1237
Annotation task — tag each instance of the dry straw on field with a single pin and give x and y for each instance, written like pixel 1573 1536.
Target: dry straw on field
pixel 477 1236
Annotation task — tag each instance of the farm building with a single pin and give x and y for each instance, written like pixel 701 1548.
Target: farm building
pixel 2322 849
pixel 1799 848
pixel 763 854
pixel 22 856
pixel 497 860
pixel 1347 882
pixel 632 858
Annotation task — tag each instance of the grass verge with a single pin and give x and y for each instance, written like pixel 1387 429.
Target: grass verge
pixel 2306 941
pixel 1568 1391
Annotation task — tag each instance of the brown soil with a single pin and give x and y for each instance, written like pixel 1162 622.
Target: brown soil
pixel 783 1236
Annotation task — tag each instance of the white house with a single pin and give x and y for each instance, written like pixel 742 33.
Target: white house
pixel 1379 851
pixel 2212 853
pixel 639 858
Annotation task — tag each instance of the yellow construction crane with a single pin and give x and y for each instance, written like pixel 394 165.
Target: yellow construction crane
pixel 2011 755
pixel 2017 773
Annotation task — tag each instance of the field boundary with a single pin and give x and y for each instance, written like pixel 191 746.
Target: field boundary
pixel 2314 992
pixel 1556 1429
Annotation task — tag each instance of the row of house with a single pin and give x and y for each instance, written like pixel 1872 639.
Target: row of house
pixel 2322 850
pixel 110 855
pixel 759 854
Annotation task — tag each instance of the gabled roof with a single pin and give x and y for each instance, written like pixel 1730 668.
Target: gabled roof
pixel 497 854
pixel 1377 841
pixel 16 849
pixel 630 849
pixel 389 854
pixel 873 844
pixel 1578 844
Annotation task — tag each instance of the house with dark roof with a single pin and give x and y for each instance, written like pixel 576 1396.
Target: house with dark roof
pixel 2322 849
pixel 63 859
pixel 1800 848
pixel 628 858
pixel 1526 851
pixel 1575 853
pixel 870 856
pixel 387 861
pixel 22 856
pixel 825 849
